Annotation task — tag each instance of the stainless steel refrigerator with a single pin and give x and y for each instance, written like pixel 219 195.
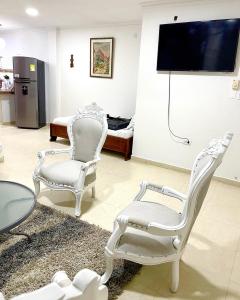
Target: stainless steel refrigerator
pixel 29 88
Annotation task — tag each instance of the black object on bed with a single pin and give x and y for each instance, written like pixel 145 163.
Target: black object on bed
pixel 117 123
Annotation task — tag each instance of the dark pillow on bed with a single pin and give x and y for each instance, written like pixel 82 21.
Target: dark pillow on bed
pixel 116 123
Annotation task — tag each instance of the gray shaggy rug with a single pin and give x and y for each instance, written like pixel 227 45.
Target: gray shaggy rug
pixel 59 242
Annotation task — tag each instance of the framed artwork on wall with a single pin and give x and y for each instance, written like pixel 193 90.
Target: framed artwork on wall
pixel 101 57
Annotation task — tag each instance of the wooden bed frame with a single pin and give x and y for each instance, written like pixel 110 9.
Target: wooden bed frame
pixel 112 143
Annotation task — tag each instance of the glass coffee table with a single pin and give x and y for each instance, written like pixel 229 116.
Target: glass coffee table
pixel 16 204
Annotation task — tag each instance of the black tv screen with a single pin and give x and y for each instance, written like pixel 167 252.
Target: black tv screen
pixel 198 46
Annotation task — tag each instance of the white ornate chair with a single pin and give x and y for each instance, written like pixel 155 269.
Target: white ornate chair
pixel 150 233
pixel 86 285
pixel 87 132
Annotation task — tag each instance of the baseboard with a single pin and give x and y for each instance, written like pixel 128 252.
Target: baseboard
pixel 227 181
pixel 158 164
pixel 184 170
pixel 8 123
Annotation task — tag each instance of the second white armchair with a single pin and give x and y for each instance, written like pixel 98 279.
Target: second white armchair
pixel 149 233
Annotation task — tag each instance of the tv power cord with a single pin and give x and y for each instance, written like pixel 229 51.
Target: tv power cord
pixel 177 138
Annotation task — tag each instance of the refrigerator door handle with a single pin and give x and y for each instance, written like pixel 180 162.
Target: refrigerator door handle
pixel 22 80
pixel 29 84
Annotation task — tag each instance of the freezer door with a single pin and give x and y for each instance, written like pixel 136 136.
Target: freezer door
pixel 24 67
pixel 26 103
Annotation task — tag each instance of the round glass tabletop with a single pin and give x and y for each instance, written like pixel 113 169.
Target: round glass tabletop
pixel 16 204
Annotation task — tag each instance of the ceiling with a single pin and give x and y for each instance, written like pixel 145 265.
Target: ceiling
pixel 69 13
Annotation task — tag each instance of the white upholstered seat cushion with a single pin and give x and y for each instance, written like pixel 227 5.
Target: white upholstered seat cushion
pixel 66 173
pixel 142 243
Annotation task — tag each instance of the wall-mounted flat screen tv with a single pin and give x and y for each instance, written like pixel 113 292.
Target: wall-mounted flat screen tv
pixel 198 46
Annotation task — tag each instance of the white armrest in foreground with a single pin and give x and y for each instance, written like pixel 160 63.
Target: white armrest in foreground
pixel 85 286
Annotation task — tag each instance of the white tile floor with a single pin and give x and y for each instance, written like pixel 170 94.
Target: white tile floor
pixel 210 268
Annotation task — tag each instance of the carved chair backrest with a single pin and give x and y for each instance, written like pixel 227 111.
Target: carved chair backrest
pixel 203 169
pixel 87 132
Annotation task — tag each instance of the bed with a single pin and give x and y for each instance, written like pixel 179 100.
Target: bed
pixel 117 140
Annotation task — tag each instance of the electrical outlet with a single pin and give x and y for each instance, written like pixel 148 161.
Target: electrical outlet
pixel 187 142
pixel 235 84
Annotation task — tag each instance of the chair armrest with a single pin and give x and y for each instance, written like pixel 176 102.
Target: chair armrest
pixel 49 292
pixel 173 193
pixel 91 163
pixel 43 153
pixel 83 172
pixel 159 189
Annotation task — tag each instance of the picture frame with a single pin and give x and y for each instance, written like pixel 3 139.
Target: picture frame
pixel 101 57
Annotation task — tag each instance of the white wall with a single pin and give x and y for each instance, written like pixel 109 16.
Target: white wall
pixel 68 89
pixel 38 43
pixel 53 78
pixel 201 107
pixel 25 42
pixel 117 95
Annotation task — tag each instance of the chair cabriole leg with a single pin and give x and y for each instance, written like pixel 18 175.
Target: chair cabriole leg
pixel 175 276
pixel 37 186
pixel 109 269
pixel 78 197
pixel 93 191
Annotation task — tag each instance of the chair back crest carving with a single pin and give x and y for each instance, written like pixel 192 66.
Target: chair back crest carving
pixel 87 132
pixel 203 169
